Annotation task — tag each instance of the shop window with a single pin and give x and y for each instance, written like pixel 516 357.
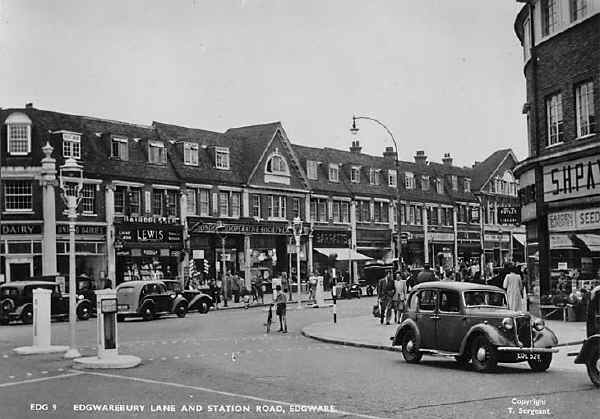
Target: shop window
pixel 190 154
pixel 119 148
pixel 157 153
pixel 19 247
pixel 88 199
pixel 585 113
pixel 18 195
pixel 71 145
pixel 554 119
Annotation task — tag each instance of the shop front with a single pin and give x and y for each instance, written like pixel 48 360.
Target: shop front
pixel 90 251
pixel 332 248
pixel 413 247
pixel 20 250
pixel 374 243
pixel 469 246
pixel 441 250
pixel 147 251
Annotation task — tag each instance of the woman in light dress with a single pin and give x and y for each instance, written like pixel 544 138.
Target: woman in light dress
pixel 514 290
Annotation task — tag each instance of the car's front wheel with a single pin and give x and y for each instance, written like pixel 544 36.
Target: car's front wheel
pixel 83 311
pixel 203 307
pixel 147 312
pixel 483 354
pixel 27 315
pixel 409 347
pixel 593 365
pixel 181 310
pixel 542 364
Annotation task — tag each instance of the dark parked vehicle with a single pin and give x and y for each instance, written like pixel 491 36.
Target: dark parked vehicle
pixel 373 271
pixel 196 299
pixel 349 290
pixel 148 299
pixel 590 351
pixel 16 301
pixel 471 322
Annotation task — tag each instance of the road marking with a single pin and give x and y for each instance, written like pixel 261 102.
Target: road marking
pixel 44 372
pixel 29 374
pixel 36 380
pixel 4 356
pixel 12 377
pixel 221 392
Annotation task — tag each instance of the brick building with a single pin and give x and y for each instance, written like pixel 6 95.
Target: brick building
pixel 559 186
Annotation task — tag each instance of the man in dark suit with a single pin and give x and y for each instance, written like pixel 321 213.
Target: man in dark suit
pixel 426 275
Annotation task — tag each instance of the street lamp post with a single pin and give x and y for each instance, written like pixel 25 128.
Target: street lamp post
pixel 220 227
pixel 297 229
pixel 71 184
pixel 354 130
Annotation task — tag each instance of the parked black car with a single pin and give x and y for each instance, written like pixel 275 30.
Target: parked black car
pixel 197 300
pixel 16 301
pixel 590 351
pixel 85 293
pixel 149 300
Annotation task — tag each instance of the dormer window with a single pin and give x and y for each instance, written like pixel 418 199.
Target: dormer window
pixel 424 183
pixel 311 169
pixel 409 180
pixel 374 176
pixel 222 158
pixel 71 145
pixel 119 149
pixel 355 174
pixel 454 179
pixel 392 178
pixel 467 184
pixel 190 154
pixel 157 153
pixel 439 185
pixel 19 134
pixel 334 172
pixel 277 165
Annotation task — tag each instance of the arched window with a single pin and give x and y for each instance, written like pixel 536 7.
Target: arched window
pixel 19 134
pixel 277 165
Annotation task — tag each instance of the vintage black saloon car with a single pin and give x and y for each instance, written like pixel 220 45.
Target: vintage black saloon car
pixel 196 299
pixel 16 301
pixel 590 351
pixel 148 299
pixel 471 322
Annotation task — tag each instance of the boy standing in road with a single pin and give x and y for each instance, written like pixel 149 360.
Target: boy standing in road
pixel 280 302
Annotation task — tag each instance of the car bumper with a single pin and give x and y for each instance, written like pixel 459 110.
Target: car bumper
pixel 526 350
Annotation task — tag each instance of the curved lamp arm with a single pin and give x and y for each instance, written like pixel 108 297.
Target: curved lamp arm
pixel 354 130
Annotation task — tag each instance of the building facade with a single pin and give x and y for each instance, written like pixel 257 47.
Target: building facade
pixel 166 201
pixel 559 187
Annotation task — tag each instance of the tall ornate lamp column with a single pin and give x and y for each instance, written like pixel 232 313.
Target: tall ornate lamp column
pixel 297 228
pixel 71 184
pixel 220 229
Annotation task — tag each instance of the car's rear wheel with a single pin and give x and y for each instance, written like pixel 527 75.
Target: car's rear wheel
pixel 593 365
pixel 83 311
pixel 203 307
pixel 181 310
pixel 483 354
pixel 147 312
pixel 409 347
pixel 543 364
pixel 27 315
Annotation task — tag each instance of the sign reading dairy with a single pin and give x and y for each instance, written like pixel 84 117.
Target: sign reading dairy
pixel 572 179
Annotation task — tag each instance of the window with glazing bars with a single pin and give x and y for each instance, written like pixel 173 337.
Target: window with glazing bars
pixel 71 146
pixel 119 149
pixel 19 139
pixel 223 204
pixel 235 204
pixel 295 207
pixel 554 118
pixel 119 197
pixel 584 108
pixel 550 16
pixel 256 206
pixel 345 212
pixel 191 202
pixel 18 195
pixel 158 196
pixel 135 206
pixel 88 199
pixel 578 9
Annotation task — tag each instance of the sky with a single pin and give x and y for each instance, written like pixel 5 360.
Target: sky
pixel 443 76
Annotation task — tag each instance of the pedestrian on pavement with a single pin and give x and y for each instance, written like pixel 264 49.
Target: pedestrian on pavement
pixel 215 292
pixel 285 283
pixel 280 308
pixel 235 287
pixel 399 297
pixel 426 275
pixel 385 291
pixel 219 290
pixel 514 290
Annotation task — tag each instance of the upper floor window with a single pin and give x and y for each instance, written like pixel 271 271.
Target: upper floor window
pixel 134 196
pixel 119 149
pixel 363 211
pixel 295 208
pixel 223 204
pixel 19 134
pixel 158 199
pixel 277 165
pixel 311 169
pixel 334 172
pixel 203 202
pixel 554 119
pixel 550 16
pixel 192 202
pixel 190 154
pixel 392 178
pixel 71 145
pixel 584 109
pixel 439 185
pixel 229 204
pixel 277 207
pixel 374 176
pixel 355 174
pixel 157 153
pixel 341 212
pixel 120 199
pixel 256 210
pixel 578 9
pixel 88 199
pixel 454 180
pixel 222 158
pixel 18 195
pixel 381 212
pixel 467 184
pixel 172 203
pixel 409 180
pixel 424 183
pixel 527 38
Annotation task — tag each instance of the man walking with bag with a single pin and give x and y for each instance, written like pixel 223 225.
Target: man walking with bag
pixel 386 290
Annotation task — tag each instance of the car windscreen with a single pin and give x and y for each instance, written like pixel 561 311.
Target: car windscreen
pixel 485 298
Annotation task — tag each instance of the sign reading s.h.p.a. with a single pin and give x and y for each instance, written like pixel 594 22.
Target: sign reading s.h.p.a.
pixel 572 179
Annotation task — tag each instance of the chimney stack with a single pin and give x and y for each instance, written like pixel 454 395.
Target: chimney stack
pixel 29 105
pixel 477 163
pixel 355 148
pixel 389 153
pixel 447 160
pixel 421 158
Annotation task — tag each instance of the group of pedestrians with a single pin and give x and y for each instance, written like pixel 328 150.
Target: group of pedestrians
pixel 392 293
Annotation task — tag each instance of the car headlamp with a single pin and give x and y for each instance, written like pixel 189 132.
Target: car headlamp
pixel 80 297
pixel 508 323
pixel 539 325
pixel 172 296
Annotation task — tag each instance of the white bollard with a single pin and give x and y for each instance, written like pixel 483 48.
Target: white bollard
pixel 107 337
pixel 42 334
pixel 319 293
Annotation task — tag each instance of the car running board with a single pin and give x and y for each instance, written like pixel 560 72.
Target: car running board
pixel 438 353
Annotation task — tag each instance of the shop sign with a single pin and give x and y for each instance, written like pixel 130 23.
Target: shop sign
pixel 585 219
pixel 475 215
pixel 441 237
pixel 198 254
pixel 509 215
pixel 16 229
pixel 146 219
pixel 331 238
pixel 572 179
pixel 262 228
pixel 150 234
pixel 492 237
pixel 82 229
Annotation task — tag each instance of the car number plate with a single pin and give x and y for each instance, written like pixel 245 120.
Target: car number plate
pixel 123 307
pixel 529 357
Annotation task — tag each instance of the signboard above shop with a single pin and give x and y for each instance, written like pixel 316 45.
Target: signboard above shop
pixel 149 235
pixel 82 229
pixel 574 220
pixel 238 228
pixel 19 229
pixel 509 215
pixel 572 179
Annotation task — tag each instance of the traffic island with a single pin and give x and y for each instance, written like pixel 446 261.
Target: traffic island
pixel 109 362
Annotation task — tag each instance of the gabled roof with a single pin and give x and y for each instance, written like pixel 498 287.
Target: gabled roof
pixel 483 171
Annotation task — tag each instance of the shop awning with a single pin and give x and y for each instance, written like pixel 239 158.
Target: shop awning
pixel 520 237
pixel 561 242
pixel 592 241
pixel 343 253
